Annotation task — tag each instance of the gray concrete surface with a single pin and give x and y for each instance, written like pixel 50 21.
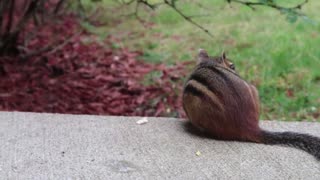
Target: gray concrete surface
pixel 56 146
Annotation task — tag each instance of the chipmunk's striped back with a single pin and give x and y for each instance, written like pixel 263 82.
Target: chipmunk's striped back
pixel 216 87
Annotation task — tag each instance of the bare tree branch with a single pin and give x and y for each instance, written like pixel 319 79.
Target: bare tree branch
pixel 271 4
pixel 171 5
pixel 58 6
pixel 187 18
pixel 2 11
pixel 28 14
pixel 10 18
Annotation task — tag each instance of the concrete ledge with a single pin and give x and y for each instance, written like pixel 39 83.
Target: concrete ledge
pixel 56 146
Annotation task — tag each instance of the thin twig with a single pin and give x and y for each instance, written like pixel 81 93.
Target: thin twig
pixel 252 5
pixel 58 6
pixel 56 48
pixel 10 20
pixel 50 49
pixel 151 6
pixel 2 11
pixel 137 15
pixel 187 18
pixel 31 8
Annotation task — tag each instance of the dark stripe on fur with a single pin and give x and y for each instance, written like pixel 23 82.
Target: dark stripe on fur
pixel 197 92
pixel 210 64
pixel 190 89
pixel 225 78
pixel 203 80
pixel 308 143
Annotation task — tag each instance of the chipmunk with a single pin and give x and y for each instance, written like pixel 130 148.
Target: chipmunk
pixel 219 102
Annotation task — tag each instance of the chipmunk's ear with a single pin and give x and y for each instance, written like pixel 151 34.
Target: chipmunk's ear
pixel 202 55
pixel 224 56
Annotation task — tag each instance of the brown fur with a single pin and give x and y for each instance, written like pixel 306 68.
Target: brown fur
pixel 232 111
pixel 219 102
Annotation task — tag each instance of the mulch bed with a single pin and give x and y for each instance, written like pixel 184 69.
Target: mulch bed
pixel 87 77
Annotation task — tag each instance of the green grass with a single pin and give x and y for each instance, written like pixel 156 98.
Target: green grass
pixel 282 59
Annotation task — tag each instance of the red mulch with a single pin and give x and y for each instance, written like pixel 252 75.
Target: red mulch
pixel 87 78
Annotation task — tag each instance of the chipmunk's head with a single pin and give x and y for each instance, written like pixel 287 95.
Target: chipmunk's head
pixel 220 60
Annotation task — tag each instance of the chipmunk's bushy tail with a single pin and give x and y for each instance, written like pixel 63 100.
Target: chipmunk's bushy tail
pixel 308 143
